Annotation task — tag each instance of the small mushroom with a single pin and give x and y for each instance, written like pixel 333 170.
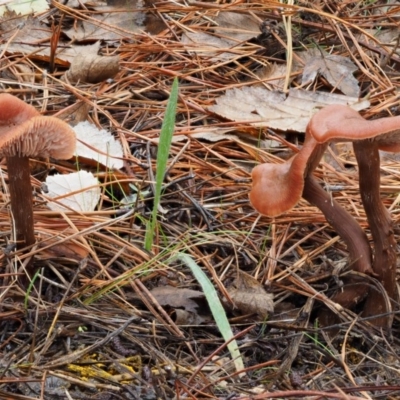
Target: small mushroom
pixel 294 179
pixel 278 187
pixel 368 138
pixel 340 123
pixel 25 133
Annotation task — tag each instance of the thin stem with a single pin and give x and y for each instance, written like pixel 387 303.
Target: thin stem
pixel 21 200
pixel 343 223
pixel 380 223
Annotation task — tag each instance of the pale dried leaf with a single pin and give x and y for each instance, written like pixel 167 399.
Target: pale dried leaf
pixel 69 53
pixel 23 7
pixel 264 108
pixel 388 37
pixel 111 22
pixel 24 36
pixel 219 135
pixel 98 145
pixel 249 296
pixel 92 68
pixel 79 191
pixel 273 75
pixel 20 34
pixel 337 70
pixel 238 26
pixel 210 136
pixel 385 37
pixel 206 45
pixel 187 299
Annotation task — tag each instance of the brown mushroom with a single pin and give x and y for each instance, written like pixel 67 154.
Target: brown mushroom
pixel 278 187
pixel 368 138
pixel 342 123
pixel 25 133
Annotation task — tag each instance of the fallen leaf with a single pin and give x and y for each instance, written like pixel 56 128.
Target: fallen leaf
pixel 92 68
pixel 273 75
pixel 264 108
pixel 77 112
pixel 187 299
pixel 78 191
pixel 337 70
pixel 215 135
pixel 23 7
pixel 110 22
pixel 206 45
pixel 98 144
pixel 238 26
pixel 23 35
pixel 67 249
pixel 249 296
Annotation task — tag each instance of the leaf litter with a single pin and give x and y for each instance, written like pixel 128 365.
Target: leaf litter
pixel 82 329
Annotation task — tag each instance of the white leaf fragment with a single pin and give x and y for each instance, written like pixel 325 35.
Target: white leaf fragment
pixel 98 145
pixel 23 7
pixel 79 191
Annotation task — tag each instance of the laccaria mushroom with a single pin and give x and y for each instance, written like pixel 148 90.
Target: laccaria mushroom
pixel 368 138
pixel 25 133
pixel 340 123
pixel 294 179
pixel 279 187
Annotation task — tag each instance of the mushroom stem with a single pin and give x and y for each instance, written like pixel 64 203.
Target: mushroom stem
pixel 343 223
pixel 20 188
pixel 379 220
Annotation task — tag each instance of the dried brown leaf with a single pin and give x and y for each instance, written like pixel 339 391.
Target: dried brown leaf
pixel 337 70
pixel 111 23
pixel 206 45
pixel 24 36
pixel 274 75
pixel 186 299
pixel 249 296
pixel 238 26
pixel 92 68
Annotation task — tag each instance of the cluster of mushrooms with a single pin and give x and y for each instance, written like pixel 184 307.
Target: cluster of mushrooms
pixel 278 187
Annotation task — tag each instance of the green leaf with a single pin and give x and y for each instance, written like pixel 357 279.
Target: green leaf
pixel 164 146
pixel 216 308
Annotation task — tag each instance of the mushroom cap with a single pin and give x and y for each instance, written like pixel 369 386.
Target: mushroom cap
pixel 275 190
pixel 38 137
pixel 338 122
pixel 14 111
pixel 278 187
pixel 25 133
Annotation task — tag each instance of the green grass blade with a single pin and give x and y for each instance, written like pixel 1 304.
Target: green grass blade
pixel 216 308
pixel 164 145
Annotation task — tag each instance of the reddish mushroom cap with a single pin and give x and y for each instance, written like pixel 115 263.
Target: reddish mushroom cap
pixel 278 187
pixel 25 133
pixel 14 111
pixel 338 122
pixel 39 137
pixel 275 190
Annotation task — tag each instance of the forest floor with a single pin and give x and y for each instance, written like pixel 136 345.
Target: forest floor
pixel 106 317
